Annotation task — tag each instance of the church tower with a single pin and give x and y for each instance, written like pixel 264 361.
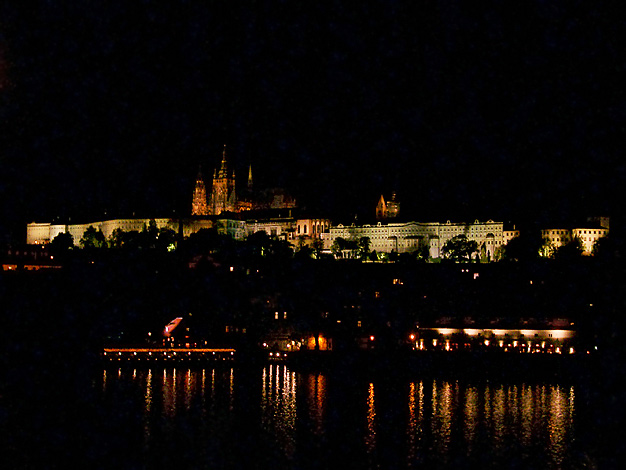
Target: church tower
pixel 199 204
pixel 381 209
pixel 223 198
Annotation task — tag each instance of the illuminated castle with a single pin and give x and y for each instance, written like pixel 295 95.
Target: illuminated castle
pixel 223 197
pixel 387 210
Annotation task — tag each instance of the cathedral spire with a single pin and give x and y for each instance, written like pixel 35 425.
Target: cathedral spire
pixel 250 177
pixel 223 173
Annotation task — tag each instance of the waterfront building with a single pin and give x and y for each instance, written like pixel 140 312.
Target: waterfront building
pixel 548 338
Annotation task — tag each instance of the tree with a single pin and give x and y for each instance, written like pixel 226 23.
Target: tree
pixel 61 243
pixel 338 246
pixel 93 239
pixel 571 250
pixel 423 250
pixel 526 247
pixel 166 238
pixel 318 246
pixel 603 248
pixel 117 238
pixel 459 248
pixel 363 245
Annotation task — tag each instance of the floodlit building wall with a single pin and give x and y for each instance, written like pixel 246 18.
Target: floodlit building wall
pixel 273 228
pixel 589 236
pixel 37 234
pixel 557 237
pixel 406 237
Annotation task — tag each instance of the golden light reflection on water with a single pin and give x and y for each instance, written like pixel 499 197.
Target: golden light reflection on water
pixel 471 417
pixel 278 406
pixel 370 437
pixel 491 417
pixel 147 407
pixel 316 401
pixel 443 408
pixel 443 418
pixel 231 388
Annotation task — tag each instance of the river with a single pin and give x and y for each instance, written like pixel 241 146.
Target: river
pixel 274 417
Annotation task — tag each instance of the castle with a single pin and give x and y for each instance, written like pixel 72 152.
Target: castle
pixel 223 196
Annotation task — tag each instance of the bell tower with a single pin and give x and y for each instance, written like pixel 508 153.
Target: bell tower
pixel 199 204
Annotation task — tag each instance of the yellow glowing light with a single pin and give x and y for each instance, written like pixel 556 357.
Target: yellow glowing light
pixel 446 331
pixel 412 337
pixel 371 338
pixel 471 331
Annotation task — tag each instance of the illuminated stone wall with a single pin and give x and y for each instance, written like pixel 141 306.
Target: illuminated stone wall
pixel 406 237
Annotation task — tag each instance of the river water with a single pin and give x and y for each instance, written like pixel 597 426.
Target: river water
pixel 271 416
pixel 275 417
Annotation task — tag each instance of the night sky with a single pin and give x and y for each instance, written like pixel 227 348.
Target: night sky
pixel 468 111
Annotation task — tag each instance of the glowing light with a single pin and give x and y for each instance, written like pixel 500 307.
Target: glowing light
pixel 171 326
pixel 446 331
pixel 412 337
pixel 471 331
pixel 371 338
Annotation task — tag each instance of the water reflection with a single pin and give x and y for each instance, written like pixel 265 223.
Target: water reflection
pixel 370 437
pixel 444 421
pixel 278 406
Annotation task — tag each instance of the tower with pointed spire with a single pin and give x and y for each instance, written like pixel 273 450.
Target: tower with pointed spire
pixel 381 209
pixel 199 204
pixel 223 197
pixel 387 210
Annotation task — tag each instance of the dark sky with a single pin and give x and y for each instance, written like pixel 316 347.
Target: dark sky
pixel 468 111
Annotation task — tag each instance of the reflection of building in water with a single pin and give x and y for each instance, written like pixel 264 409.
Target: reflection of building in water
pixel 316 395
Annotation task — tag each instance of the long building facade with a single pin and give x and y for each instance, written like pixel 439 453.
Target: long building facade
pixel 409 236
